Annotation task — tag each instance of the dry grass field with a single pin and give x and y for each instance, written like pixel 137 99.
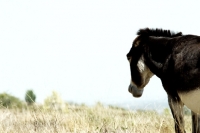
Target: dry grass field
pixel 84 119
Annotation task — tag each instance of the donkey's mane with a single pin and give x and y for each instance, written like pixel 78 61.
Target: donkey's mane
pixel 158 33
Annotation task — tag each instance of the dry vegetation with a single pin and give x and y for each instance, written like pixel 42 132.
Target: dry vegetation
pixel 84 119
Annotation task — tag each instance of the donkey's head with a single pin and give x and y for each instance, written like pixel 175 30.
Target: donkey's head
pixel 140 73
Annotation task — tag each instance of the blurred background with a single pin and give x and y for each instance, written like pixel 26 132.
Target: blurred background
pixel 78 48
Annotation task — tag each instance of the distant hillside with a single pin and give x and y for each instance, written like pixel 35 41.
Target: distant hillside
pixel 145 105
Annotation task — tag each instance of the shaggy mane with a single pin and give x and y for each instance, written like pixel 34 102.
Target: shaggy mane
pixel 158 33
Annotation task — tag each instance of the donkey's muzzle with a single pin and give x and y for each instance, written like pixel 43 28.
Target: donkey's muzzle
pixel 135 91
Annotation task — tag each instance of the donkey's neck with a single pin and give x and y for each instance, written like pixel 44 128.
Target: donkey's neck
pixel 159 48
pixel 157 52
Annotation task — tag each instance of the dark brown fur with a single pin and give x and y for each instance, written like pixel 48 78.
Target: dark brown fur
pixel 175 59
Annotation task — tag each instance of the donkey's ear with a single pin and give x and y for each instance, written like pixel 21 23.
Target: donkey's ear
pixel 136 44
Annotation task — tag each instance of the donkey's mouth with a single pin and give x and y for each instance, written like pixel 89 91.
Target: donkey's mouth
pixel 135 91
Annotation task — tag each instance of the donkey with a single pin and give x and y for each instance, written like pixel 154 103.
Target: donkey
pixel 175 59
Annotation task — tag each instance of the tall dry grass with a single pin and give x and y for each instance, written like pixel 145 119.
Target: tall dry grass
pixel 84 119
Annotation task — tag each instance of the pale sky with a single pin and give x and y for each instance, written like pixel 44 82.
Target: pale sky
pixel 78 48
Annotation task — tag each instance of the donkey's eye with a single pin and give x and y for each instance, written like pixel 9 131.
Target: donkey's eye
pixel 129 58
